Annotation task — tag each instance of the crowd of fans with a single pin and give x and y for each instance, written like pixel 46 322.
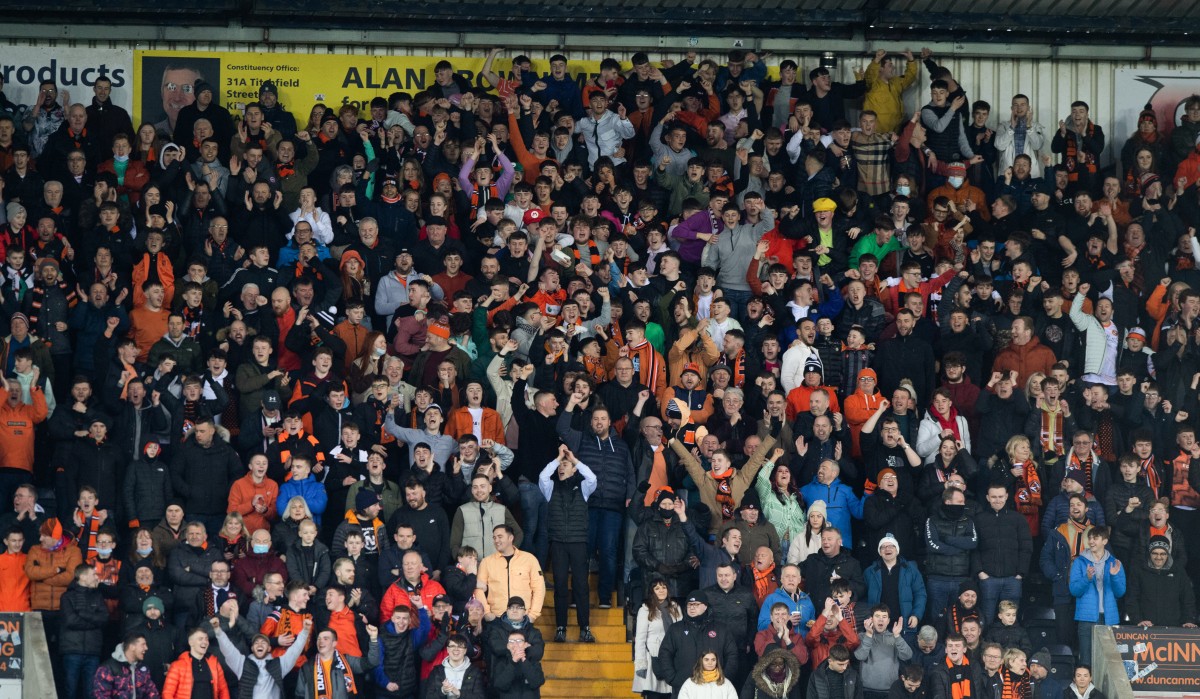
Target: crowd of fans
pixel 311 409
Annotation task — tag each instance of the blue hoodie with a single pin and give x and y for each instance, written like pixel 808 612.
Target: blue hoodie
pixel 1087 592
pixel 840 504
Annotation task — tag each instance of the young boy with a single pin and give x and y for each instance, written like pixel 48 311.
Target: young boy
pixel 14 584
pixel 1090 609
pixel 87 521
pixel 844 596
pixel 648 364
pixel 1008 633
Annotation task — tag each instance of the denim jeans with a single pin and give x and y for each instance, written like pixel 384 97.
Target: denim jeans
pixel 1085 641
pixel 533 504
pixel 942 591
pixel 992 591
pixel 604 531
pixel 737 303
pixel 79 671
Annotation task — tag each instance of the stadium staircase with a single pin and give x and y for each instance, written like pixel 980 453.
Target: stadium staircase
pixel 583 670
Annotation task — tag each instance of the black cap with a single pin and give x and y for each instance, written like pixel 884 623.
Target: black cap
pixel 435 221
pixel 512 602
pixel 269 86
pixel 699 596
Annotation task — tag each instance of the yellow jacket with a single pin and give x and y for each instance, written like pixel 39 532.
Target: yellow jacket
pixel 884 98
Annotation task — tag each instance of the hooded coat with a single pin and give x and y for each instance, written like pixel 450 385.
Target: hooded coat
pixel 118 678
pixel 1162 595
pixel 760 686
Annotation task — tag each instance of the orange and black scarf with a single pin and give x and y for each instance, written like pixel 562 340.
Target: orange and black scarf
pixel 323 683
pixel 593 254
pixel 1150 473
pixel 960 678
pixel 1076 535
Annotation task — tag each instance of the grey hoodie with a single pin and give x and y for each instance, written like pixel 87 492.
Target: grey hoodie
pixel 264 685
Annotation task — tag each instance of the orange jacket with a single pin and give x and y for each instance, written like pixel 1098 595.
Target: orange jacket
pixel 960 196
pixel 490 425
pixel 43 569
pixel 1157 307
pixel 530 163
pixel 354 336
pixel 1026 360
pixel 178 684
pixel 859 408
pixel 241 500
pixel 14 583
pixel 284 622
pixel 141 272
pixel 16 429
pixel 798 400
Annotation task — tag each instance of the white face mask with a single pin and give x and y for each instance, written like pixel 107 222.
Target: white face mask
pixel 903 190
pixel 955 182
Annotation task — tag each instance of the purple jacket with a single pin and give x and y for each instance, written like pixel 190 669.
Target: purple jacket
pixel 691 247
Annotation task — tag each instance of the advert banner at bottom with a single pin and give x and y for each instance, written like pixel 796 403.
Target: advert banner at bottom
pixel 1160 659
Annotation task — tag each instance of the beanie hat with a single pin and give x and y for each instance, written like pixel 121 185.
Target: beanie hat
pixel 440 329
pixel 1147 114
pixel 1160 542
pixel 19 316
pixel 203 85
pixel 364 499
pixel 1138 333
pixel 1042 657
pixel 907 386
pixel 819 506
pixel 153 602
pixel 13 209
pixel 887 539
pixel 1078 476
pixel 969 585
pixel 869 372
pixel 673 410
pixel 956 168
pixel 269 86
pixel 663 494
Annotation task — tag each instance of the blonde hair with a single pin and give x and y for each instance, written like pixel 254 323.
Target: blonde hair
pixel 235 517
pixel 1010 655
pixel 297 499
pixel 1007 605
pixel 1013 441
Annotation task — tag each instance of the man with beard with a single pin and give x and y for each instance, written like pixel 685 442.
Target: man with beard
pixel 690 639
pixel 258 669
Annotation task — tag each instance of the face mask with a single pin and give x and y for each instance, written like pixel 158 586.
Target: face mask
pixel 104 553
pixel 904 190
pixel 955 182
pixel 1153 202
pixel 380 352
pixel 954 511
pixel 121 158
pixel 145 552
pixel 261 548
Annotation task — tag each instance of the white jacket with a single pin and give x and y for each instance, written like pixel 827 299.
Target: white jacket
pixel 929 437
pixel 604 137
pixel 1035 140
pixel 650 635
pixel 691 690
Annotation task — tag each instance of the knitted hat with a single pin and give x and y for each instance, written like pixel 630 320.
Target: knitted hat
pixel 887 539
pixel 18 316
pixel 673 410
pixel 691 367
pixel 1147 114
pixel 13 209
pixel 1042 657
pixel 1160 542
pixel 1138 333
pixel 155 603
pixel 885 472
pixel 907 386
pixel 44 261
pixel 364 499
pixel 868 372
pixel 813 366
pixel 1148 179
pixel 956 168
pixel 440 329
pixel 698 596
pixel 435 221
pixel 663 494
pixel 1079 477
pixel 819 506
pixel 269 86
pixel 203 85
pixel 969 585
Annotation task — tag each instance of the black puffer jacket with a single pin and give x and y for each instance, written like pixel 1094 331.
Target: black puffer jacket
pixel 949 543
pixel 1161 595
pixel 662 549
pixel 687 641
pixel 818 572
pixel 609 459
pixel 736 610
pixel 1005 544
pixel 147 488
pixel 83 617
pixel 399 662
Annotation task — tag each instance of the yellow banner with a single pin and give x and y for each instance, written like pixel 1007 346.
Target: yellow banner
pixel 163 80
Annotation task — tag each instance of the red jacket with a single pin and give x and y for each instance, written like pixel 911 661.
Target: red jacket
pixel 398 592
pixel 1026 360
pixel 136 179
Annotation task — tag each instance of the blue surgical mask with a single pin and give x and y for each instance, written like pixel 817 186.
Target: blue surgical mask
pixel 121 158
pixel 955 182
pixel 904 190
pixel 145 552
pixel 379 352
pixel 104 553
pixel 261 548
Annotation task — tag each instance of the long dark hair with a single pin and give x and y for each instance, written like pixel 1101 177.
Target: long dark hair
pixel 653 604
pixel 793 488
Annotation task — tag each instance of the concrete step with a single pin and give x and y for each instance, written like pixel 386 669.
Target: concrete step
pixel 603 633
pixel 572 669
pixel 587 687
pixel 600 652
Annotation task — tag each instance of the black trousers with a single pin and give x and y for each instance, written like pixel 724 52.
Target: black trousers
pixel 570 560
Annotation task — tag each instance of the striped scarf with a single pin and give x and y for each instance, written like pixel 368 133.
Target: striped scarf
pixel 1015 686
pixel 593 254
pixel 1150 473
pixel 1076 159
pixel 1076 535
pixel 323 682
pixel 1027 491
pixel 960 678
pixel 1077 465
pixel 1052 430
pixel 737 367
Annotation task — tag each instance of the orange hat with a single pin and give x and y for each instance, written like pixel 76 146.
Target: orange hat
pixel 52 528
pixel 438 179
pixel 351 255
pixel 869 372
pixel 440 329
